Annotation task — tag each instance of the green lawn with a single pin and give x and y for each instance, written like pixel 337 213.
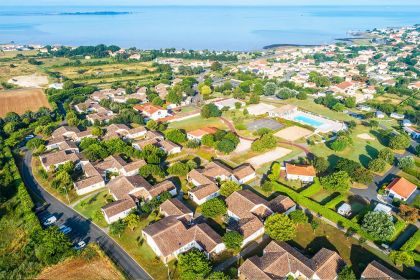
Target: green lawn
pixel 91 207
pixel 197 122
pixel 133 243
pixel 361 151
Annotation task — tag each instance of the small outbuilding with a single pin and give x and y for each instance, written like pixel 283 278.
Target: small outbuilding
pixel 344 210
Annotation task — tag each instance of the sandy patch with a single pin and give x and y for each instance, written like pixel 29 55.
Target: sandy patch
pixel 293 133
pixel 29 81
pixel 243 146
pixel 269 156
pixel 365 136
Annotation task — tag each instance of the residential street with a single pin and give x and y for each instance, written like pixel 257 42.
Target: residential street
pixel 82 229
pixel 370 193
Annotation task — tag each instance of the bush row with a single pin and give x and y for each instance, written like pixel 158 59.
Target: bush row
pixel 412 243
pixel 322 210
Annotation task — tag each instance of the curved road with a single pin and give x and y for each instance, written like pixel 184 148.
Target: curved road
pixel 83 229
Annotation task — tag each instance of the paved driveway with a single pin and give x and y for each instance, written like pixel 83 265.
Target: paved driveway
pixel 82 229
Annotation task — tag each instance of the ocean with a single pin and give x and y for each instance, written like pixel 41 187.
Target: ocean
pixel 196 27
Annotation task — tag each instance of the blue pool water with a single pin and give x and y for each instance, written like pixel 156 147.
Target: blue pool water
pixel 308 121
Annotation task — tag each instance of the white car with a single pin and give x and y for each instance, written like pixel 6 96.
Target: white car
pixel 64 229
pixel 30 136
pixel 51 220
pixel 80 245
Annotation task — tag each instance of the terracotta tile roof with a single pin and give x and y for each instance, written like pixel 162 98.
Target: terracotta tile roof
pixel 167 145
pixel 148 108
pixel 215 169
pixel 56 140
pixel 243 171
pixel 200 178
pixel 281 204
pixel 87 182
pixel 243 202
pixel 146 142
pixel 170 234
pixel 64 129
pixel 58 158
pixel 154 134
pixel 121 186
pixel 279 259
pixel 248 226
pixel 68 145
pixel 137 130
pixel 111 162
pixel 402 187
pixel 161 187
pixel 204 191
pixel 118 206
pixel 174 207
pixel 375 270
pixel 307 170
pixel 134 165
pixel 344 85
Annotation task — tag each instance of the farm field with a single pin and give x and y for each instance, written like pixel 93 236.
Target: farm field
pixel 83 267
pixel 22 100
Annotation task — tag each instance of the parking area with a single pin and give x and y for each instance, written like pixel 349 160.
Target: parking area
pixel 67 226
pixel 264 123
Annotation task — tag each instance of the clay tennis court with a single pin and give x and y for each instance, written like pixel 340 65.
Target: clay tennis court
pixel 269 156
pixel 293 133
pixel 22 100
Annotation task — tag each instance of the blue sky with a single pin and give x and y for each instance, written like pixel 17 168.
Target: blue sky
pixel 208 2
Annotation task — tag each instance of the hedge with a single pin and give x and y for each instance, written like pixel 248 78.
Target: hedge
pixel 412 243
pixel 399 227
pixel 333 202
pixel 322 210
pixel 313 189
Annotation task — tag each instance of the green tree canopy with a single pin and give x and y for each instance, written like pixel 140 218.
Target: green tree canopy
pixel 379 225
pixel 193 265
pixel 233 240
pixel 229 187
pixel 280 227
pixel 213 208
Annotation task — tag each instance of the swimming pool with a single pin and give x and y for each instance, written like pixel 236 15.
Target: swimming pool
pixel 308 120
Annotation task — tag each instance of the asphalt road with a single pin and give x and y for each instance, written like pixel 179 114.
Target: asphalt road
pixel 82 229
pixel 370 193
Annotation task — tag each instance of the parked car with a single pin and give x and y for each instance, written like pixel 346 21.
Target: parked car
pixel 49 221
pixel 80 245
pixel 29 137
pixel 64 229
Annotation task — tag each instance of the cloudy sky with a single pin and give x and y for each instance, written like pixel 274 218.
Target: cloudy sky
pixel 207 2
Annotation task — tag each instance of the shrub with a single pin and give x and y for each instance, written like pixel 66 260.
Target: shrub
pixel 233 240
pixel 387 155
pixel 338 181
pixel 378 225
pixel 400 258
pixel 267 186
pixel 412 243
pixel 193 265
pixel 213 208
pixel 280 227
pixel 377 165
pixel 229 187
pixel 298 217
pixel 266 142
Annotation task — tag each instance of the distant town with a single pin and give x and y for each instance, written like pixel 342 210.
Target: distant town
pixel 285 163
